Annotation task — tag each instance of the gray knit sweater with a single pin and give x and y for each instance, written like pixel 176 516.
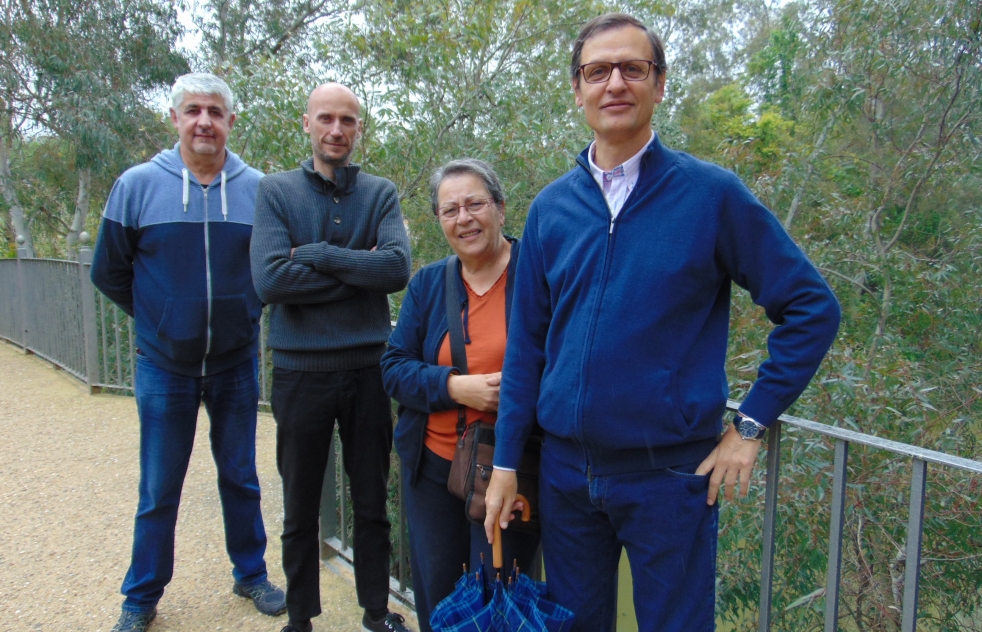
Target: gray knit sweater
pixel 330 307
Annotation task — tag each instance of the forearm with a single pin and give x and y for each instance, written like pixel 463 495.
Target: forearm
pixel 381 270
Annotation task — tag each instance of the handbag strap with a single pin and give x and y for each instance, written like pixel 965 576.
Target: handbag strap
pixel 455 331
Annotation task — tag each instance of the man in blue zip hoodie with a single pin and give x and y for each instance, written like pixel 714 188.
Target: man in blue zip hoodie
pixel 617 347
pixel 173 253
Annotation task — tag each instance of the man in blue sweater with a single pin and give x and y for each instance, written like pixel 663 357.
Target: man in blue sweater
pixel 173 253
pixel 617 346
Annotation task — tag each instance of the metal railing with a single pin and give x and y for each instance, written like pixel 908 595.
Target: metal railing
pixel 50 308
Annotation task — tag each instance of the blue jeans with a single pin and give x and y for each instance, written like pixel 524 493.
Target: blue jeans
pixel 660 517
pixel 168 407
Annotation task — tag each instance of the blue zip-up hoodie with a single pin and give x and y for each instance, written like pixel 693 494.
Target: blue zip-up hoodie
pixel 174 255
pixel 617 343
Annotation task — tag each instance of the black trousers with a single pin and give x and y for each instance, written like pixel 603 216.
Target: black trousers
pixel 305 405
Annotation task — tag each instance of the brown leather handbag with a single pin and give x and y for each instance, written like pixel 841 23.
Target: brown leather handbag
pixel 473 456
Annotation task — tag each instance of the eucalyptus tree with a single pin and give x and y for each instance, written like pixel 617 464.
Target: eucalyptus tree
pixel 87 73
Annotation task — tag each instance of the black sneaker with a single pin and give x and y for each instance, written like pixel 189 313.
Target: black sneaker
pixel 268 598
pixel 391 622
pixel 134 621
pixel 293 627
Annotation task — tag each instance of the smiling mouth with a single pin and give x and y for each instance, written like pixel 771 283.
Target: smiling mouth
pixel 469 233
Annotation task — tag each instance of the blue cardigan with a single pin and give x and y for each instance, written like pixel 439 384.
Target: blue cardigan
pixel 410 369
pixel 618 339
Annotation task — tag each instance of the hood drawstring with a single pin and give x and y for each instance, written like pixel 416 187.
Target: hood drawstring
pixel 224 203
pixel 187 192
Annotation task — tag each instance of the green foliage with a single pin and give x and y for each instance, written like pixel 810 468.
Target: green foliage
pixel 857 121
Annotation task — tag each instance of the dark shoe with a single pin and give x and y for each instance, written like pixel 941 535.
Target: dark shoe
pixel 391 622
pixel 268 598
pixel 294 627
pixel 134 621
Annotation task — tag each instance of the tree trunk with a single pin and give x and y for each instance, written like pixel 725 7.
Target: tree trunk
pixel 81 211
pixel 17 220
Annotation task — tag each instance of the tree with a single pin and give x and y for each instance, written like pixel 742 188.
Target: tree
pixel 87 74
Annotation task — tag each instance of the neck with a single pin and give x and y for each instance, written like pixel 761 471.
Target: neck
pixel 610 153
pixel 325 169
pixel 482 272
pixel 205 167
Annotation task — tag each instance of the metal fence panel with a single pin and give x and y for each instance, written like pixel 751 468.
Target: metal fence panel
pixel 53 305
pixel 11 327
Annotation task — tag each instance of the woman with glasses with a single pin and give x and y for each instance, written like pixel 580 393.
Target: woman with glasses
pixel 469 203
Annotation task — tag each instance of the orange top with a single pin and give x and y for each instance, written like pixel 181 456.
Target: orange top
pixel 485 354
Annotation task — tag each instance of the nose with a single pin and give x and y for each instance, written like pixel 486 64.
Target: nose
pixel 615 84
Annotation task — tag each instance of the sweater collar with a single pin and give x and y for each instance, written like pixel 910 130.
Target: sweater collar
pixel 344 182
pixel 655 159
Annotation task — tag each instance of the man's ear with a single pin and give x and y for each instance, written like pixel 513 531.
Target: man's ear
pixel 361 128
pixel 231 120
pixel 306 124
pixel 576 93
pixel 173 117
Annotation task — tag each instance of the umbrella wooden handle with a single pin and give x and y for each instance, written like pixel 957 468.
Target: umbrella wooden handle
pixel 526 507
pixel 498 557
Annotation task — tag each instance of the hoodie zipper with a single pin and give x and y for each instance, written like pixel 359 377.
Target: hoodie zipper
pixel 204 360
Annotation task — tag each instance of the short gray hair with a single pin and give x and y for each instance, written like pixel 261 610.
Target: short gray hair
pixel 201 83
pixel 472 166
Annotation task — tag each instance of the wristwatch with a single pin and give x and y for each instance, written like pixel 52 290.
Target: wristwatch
pixel 750 429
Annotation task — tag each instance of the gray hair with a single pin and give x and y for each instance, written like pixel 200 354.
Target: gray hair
pixel 201 83
pixel 608 22
pixel 472 166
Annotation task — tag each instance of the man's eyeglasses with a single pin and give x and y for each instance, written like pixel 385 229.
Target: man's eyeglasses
pixel 631 70
pixel 474 207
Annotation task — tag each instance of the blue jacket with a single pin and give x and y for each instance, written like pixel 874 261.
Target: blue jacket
pixel 410 369
pixel 617 343
pixel 175 256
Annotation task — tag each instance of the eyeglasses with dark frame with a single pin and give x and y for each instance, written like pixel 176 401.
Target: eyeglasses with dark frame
pixel 631 70
pixel 474 207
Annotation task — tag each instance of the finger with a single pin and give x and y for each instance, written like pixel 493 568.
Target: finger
pixel 714 482
pixel 489 519
pixel 494 379
pixel 745 482
pixel 707 465
pixel 730 483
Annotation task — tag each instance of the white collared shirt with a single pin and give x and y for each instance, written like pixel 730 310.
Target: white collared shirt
pixel 618 183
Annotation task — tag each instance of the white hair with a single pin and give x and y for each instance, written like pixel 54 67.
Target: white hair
pixel 201 83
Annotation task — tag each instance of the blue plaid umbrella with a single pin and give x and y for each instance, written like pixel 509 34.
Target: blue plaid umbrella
pixel 463 605
pixel 522 607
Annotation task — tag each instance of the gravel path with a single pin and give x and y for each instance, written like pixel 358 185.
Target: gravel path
pixel 69 469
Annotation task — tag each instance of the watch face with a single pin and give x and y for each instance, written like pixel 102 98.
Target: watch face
pixel 746 429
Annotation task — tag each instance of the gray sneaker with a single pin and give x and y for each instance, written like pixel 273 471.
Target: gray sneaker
pixel 267 598
pixel 134 621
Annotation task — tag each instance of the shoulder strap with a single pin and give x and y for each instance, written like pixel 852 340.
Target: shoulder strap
pixel 455 327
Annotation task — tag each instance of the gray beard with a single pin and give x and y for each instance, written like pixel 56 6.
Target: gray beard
pixel 334 162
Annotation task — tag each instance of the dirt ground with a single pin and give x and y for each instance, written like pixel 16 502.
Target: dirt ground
pixel 69 469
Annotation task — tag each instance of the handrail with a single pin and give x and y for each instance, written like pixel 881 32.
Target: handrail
pixel 108 349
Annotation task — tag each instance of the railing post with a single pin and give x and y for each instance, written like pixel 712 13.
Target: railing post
pixel 915 536
pixel 22 293
pixel 90 330
pixel 329 506
pixel 770 521
pixel 839 476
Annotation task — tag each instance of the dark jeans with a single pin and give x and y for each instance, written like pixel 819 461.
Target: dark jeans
pixel 168 406
pixel 305 405
pixel 442 539
pixel 660 517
